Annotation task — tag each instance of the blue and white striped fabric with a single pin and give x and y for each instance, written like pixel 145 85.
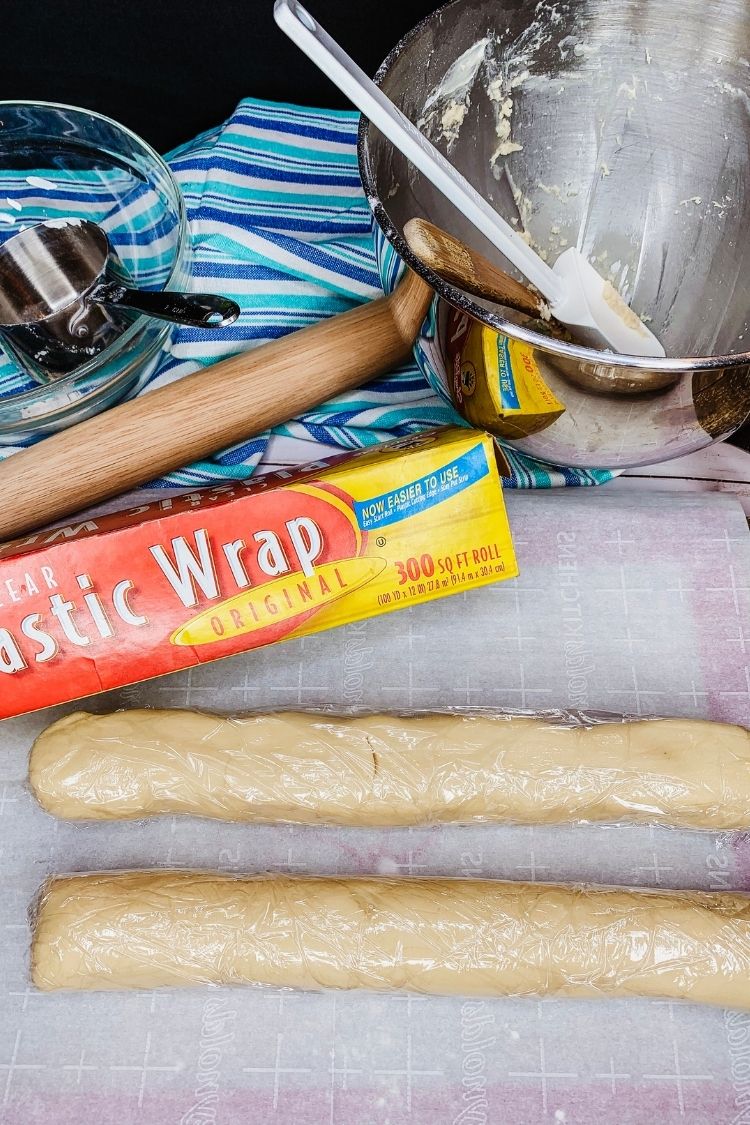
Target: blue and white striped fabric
pixel 280 223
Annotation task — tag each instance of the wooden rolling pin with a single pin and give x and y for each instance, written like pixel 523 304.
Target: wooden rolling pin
pixel 457 263
pixel 214 408
pixel 470 270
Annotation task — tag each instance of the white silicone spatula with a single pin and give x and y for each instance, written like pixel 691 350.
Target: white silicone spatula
pixel 577 295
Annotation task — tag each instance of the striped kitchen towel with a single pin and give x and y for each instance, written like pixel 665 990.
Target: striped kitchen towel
pixel 280 223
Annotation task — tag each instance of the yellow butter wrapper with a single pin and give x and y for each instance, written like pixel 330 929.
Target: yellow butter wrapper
pixel 495 382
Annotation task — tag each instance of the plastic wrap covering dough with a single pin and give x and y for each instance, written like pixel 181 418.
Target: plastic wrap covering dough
pixel 392 770
pixel 151 929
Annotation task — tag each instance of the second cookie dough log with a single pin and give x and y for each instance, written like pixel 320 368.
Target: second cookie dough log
pixel 150 929
pixel 391 770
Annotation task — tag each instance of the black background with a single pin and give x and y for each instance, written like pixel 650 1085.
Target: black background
pixel 171 68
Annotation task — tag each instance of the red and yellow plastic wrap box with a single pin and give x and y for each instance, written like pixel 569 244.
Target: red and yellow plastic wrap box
pixel 186 580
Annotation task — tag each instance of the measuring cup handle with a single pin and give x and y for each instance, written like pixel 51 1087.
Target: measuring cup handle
pixel 197 310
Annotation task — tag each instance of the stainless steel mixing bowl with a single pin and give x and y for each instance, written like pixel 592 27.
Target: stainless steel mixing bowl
pixel 629 137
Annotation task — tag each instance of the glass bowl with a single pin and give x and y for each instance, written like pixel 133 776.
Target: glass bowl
pixel 57 161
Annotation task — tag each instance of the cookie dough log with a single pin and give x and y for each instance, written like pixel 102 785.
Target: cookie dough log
pixel 151 929
pixel 390 770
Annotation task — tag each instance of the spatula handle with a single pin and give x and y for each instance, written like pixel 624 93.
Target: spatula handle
pixel 207 411
pixel 325 52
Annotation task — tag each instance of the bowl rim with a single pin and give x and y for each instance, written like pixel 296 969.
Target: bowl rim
pixel 462 301
pixel 113 351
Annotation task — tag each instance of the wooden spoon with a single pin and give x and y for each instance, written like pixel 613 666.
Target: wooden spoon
pixel 214 408
pixel 470 271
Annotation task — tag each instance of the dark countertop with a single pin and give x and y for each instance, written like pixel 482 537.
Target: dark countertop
pixel 171 69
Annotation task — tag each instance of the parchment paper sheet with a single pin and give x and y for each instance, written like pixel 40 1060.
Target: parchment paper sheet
pixel 627 602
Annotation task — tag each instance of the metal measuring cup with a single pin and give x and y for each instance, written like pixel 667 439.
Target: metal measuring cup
pixel 65 296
